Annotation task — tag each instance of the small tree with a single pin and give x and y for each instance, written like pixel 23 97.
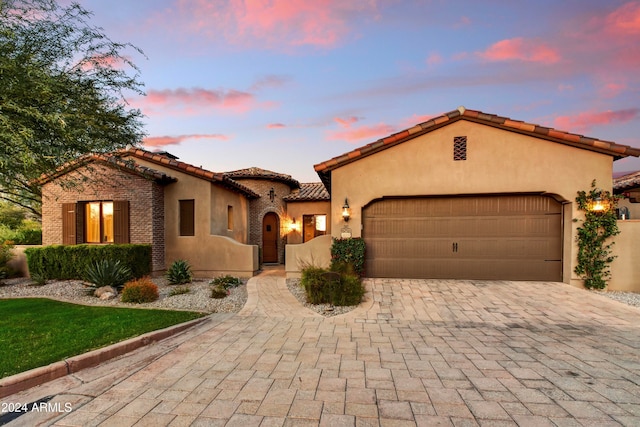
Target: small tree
pixel 63 85
pixel 599 225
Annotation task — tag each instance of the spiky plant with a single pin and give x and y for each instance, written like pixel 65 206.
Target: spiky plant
pixel 179 273
pixel 107 272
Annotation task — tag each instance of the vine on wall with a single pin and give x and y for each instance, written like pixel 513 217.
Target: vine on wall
pixel 598 226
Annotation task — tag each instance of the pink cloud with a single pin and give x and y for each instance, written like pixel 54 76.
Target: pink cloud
pixel 270 81
pixel 521 49
pixel 276 23
pixel 276 126
pixel 160 141
pixel 625 19
pixel 346 122
pixel 434 58
pixel 194 101
pixel 586 120
pixel 363 132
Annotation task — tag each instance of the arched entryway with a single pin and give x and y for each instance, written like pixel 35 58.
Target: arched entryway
pixel 270 236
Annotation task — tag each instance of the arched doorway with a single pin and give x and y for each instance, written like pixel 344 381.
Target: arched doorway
pixel 270 236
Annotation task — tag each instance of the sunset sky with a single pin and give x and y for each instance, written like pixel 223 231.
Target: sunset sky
pixel 286 84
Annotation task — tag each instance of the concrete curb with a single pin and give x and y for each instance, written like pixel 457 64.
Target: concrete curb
pixel 37 376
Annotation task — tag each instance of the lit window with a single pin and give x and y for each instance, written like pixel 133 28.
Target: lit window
pixel 99 222
pixel 313 226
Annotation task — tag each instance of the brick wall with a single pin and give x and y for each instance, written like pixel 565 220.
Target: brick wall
pixel 96 182
pixel 258 208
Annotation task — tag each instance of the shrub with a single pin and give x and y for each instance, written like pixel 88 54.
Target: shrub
pixel 179 273
pixel 219 292
pixel 5 257
pixel 226 282
pixel 349 251
pixel 107 272
pixel 140 291
pixel 330 287
pixel 179 290
pixel 63 262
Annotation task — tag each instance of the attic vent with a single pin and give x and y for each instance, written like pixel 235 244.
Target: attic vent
pixel 460 148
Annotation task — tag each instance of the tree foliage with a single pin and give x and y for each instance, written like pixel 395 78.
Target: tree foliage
pixel 594 245
pixel 63 88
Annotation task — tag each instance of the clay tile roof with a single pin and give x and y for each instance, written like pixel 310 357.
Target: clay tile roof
pixel 611 148
pixel 309 192
pixel 113 161
pixel 626 182
pixel 258 173
pixel 173 163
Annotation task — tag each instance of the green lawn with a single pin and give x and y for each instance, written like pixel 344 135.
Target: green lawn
pixel 37 331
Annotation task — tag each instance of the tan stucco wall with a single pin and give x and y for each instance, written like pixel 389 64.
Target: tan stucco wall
pixel 498 161
pixel 316 252
pixel 625 269
pixel 634 208
pixel 211 250
pixel 298 209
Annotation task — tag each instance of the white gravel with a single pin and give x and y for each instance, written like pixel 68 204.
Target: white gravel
pixel 629 298
pixel 197 299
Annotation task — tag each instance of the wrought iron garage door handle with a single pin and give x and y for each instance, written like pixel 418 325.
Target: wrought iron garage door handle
pixel 454 247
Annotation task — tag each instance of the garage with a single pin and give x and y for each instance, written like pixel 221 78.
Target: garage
pixel 498 237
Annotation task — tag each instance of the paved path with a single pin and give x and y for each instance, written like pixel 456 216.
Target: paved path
pixel 417 352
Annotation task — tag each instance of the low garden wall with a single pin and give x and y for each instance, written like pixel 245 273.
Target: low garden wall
pixel 625 269
pixel 315 252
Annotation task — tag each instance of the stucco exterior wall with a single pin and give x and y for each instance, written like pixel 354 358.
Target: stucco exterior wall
pixel 146 204
pixel 298 209
pixel 634 208
pixel 625 269
pixel 498 161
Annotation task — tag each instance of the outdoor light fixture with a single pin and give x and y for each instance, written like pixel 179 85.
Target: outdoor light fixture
pixel 598 205
pixel 346 212
pixel 272 194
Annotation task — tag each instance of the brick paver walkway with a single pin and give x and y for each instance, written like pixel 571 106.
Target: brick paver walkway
pixel 417 352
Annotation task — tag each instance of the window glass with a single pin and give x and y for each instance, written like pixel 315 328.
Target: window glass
pixel 187 217
pixel 107 222
pixel 99 222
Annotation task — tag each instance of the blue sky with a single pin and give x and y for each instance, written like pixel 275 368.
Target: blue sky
pixel 286 84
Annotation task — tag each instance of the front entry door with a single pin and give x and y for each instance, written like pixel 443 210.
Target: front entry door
pixel 270 237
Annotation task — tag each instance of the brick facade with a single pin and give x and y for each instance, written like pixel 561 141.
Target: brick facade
pixel 145 197
pixel 258 208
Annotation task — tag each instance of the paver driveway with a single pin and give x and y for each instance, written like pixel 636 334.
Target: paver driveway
pixel 418 352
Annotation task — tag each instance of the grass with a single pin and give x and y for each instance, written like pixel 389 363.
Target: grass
pixel 40 331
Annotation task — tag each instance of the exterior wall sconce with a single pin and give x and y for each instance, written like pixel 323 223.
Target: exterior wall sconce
pixel 346 212
pixel 598 205
pixel 272 194
pixel 294 225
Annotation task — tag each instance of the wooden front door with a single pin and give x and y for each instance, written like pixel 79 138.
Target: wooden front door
pixel 270 236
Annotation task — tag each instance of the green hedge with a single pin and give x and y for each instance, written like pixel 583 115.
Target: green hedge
pixel 71 261
pixel 329 287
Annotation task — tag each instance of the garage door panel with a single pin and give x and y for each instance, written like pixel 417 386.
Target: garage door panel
pixel 508 237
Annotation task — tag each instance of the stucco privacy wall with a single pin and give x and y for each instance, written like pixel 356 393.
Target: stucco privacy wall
pixel 207 251
pixel 315 252
pixel 146 204
pixel 625 269
pixel 498 161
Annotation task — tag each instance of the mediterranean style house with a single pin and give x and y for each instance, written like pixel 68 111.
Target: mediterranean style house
pixel 464 195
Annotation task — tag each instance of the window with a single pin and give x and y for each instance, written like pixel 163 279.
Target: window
pixel 187 217
pixel 313 226
pixel 229 217
pixel 98 222
pixel 95 222
pixel 460 148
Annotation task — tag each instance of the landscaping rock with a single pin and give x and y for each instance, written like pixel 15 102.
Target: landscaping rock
pixel 105 292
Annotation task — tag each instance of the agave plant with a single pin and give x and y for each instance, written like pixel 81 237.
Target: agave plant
pixel 179 273
pixel 107 272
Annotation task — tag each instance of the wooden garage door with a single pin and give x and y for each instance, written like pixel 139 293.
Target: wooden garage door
pixel 515 237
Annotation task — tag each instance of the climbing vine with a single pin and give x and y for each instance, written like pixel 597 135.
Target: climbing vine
pixel 599 224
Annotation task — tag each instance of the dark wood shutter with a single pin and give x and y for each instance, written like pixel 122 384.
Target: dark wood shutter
pixel 120 221
pixel 187 218
pixel 69 223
